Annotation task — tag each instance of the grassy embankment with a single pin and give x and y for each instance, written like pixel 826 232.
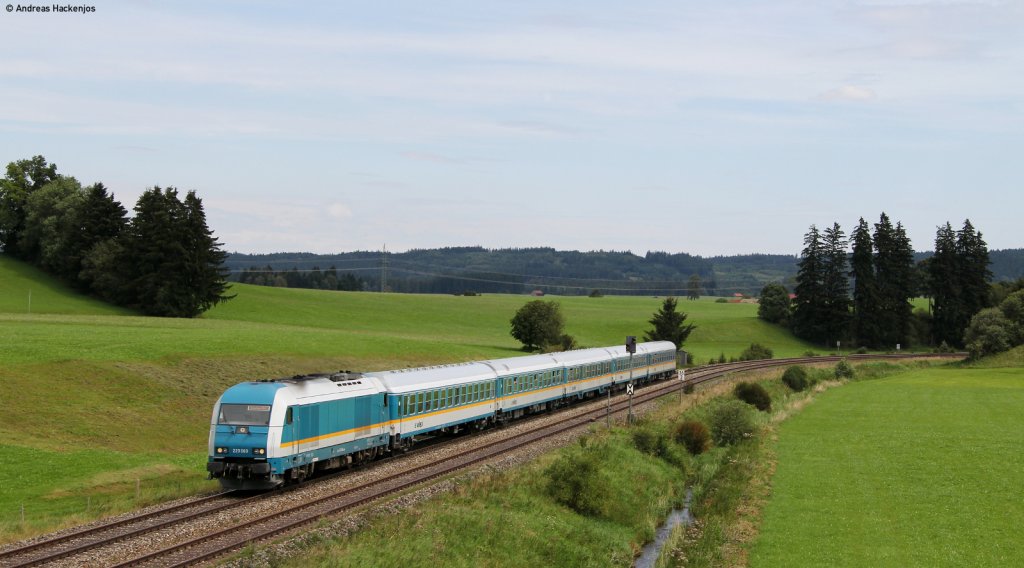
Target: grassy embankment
pixel 105 410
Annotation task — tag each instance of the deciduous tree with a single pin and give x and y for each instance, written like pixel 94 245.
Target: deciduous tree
pixel 773 305
pixel 538 324
pixel 695 287
pixel 23 178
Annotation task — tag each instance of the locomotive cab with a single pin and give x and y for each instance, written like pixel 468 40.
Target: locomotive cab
pixel 240 438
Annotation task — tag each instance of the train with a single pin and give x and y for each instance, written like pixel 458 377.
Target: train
pixel 267 433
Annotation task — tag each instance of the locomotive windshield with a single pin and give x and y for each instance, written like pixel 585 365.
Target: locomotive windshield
pixel 244 414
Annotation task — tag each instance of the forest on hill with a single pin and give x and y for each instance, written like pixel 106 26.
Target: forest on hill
pixel 459 270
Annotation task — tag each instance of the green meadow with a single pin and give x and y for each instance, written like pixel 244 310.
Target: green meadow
pixel 920 469
pixel 114 407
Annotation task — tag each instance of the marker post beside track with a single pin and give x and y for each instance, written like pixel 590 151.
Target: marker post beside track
pixel 631 347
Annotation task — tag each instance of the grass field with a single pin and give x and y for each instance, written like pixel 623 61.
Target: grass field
pixel 137 391
pixel 922 469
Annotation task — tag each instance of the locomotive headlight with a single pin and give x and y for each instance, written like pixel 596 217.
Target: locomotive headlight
pixel 222 450
pixel 260 451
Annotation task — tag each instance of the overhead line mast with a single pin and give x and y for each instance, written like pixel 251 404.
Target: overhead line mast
pixel 384 268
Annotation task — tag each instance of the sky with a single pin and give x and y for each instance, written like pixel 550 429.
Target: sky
pixel 711 128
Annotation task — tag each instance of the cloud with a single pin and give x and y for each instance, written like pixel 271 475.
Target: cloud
pixel 848 93
pixel 339 211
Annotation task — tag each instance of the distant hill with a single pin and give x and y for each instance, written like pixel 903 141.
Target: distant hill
pixel 456 270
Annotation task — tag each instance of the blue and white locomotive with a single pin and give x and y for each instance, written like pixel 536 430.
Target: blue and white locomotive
pixel 266 433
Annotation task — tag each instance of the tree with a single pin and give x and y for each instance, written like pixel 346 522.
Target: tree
pixel 23 178
pixel 836 285
pixel 205 266
pixel 695 287
pixel 99 219
pixel 1013 308
pixel 865 288
pixel 943 271
pixel 50 214
pixel 809 305
pixel 988 333
pixel 972 252
pixel 959 276
pixel 538 324
pixel 894 274
pixel 669 324
pixel 773 305
pixel 171 259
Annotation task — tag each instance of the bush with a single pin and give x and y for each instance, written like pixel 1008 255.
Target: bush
pixel 694 436
pixel 650 441
pixel 861 351
pixel 721 301
pixel 575 480
pixel 753 394
pixel 795 378
pixel 756 351
pixel 688 387
pixel 844 370
pixel 731 422
pixel 721 358
pixel 989 332
pixel 810 354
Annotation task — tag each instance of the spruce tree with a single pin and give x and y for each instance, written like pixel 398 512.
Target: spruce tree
pixel 894 275
pixel 865 288
pixel 943 269
pixel 99 218
pixel 836 286
pixel 972 252
pixel 669 324
pixel 155 260
pixel 809 305
pixel 206 259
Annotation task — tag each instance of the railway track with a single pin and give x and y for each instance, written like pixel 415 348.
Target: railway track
pixel 288 518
